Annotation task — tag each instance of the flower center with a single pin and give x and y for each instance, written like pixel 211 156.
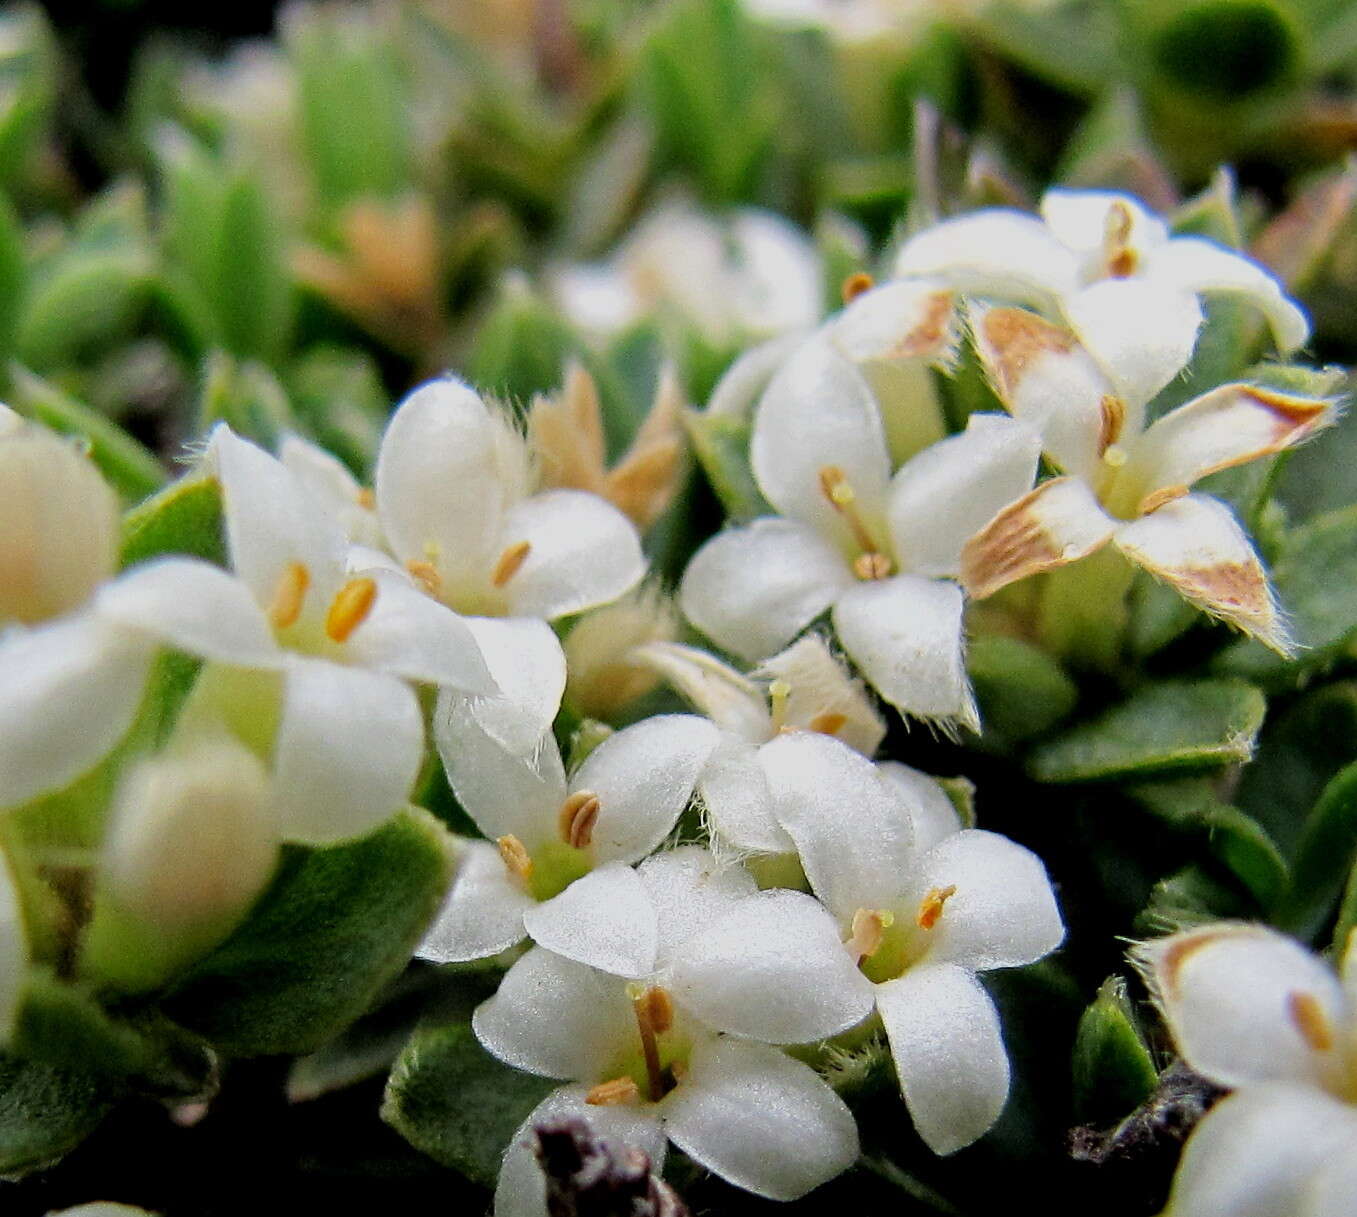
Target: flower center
pixel 658 1060
pixel 554 865
pixel 1120 260
pixel 884 946
pixel 871 562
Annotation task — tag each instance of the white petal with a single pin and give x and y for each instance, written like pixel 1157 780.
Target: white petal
pixel 903 320
pixel 1001 912
pixel 732 701
pixel 604 920
pixel 953 488
pixel 349 747
pixel 583 552
pixel 1058 523
pixel 483 912
pixel 761 1120
pixel 1141 333
pixel 1242 1001
pixel 743 383
pixel 821 687
pixel 1197 547
pixel 738 804
pixel 1044 377
pixel 506 792
pixel 851 828
pixel 1078 220
pixel 907 637
pixel 999 253
pixel 752 590
pixel 1197 265
pixel 13 950
pixel 739 975
pixel 644 776
pixel 70 692
pixel 690 889
pixel 949 1053
pixel 557 1018
pixel 1333 1192
pixel 409 634
pixel 776 282
pixel 1258 1153
pixel 528 665
pixel 934 814
pixel 818 412
pixel 328 480
pixel 194 606
pixel 271 522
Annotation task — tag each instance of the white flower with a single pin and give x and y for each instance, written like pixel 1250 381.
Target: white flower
pixel 349 736
pixel 1126 482
pixel 643 1054
pixel 881 551
pixel 1252 1009
pixel 328 481
pixel 1109 269
pixel 13 949
pixel 923 910
pixel 752 276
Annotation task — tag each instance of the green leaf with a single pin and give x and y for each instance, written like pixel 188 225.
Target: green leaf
pixel 721 444
pixel 1113 1069
pixel 336 924
pixel 88 300
pixel 253 293
pixel 1191 897
pixel 522 346
pixel 1327 852
pixel 339 395
pixel 247 396
pixel 1022 691
pixel 45 1112
pixel 13 276
pixel 132 470
pixel 1170 727
pixel 184 518
pixel 455 1102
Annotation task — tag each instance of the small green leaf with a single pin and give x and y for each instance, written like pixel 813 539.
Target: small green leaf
pixel 721 444
pixel 253 293
pixel 13 276
pixel 1113 1069
pixel 245 395
pixel 87 301
pixel 1170 727
pixel 455 1102
pixel 45 1112
pixel 1022 691
pixel 335 925
pixel 1327 852
pixel 1191 897
pixel 184 518
pixel 522 346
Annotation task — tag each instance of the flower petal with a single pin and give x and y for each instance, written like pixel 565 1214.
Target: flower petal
pixel 1078 220
pixel 822 691
pixel 1244 1002
pixel 528 665
pixel 1057 523
pixel 1000 912
pixel 732 701
pixel 902 320
pixel 1197 265
pixel 582 552
pixel 194 606
pixel 752 590
pixel 998 253
pixel 483 912
pixel 851 828
pixel 1141 333
pixel 953 488
pixel 743 383
pixel 737 802
pixel 737 974
pixel 1260 1152
pixel 604 920
pixel 70 693
pixel 644 776
pixel 934 814
pixel 690 888
pixel 557 1018
pixel 906 636
pixel 328 480
pixel 349 747
pixel 949 1053
pixel 1195 545
pixel 1333 1192
pixel 760 1120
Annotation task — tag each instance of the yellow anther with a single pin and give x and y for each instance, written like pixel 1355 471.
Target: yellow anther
pixel 515 857
pixel 615 1093
pixel 930 907
pixel 1118 256
pixel 350 608
pixel 828 723
pixel 654 1010
pixel 427 575
pixel 835 487
pixel 288 595
pixel 577 817
pixel 868 931
pixel 1311 1021
pixel 870 566
pixel 779 691
pixel 1112 418
pixel 366 498
pixel 853 286
pixel 509 562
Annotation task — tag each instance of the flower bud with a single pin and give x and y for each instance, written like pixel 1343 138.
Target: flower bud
pixel 192 839
pixel 58 526
pixel 604 677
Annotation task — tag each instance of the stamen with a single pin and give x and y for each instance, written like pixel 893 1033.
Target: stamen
pixel 869 929
pixel 288 595
pixel 577 817
pixel 1120 259
pixel 834 485
pixel 930 907
pixel 828 723
pixel 868 567
pixel 647 1003
pixel 1115 456
pixel 366 498
pixel 509 562
pixel 350 608
pixel 1310 1020
pixel 855 285
pixel 778 693
pixel 615 1093
pixel 1157 498
pixel 1112 411
pixel 427 575
pixel 515 857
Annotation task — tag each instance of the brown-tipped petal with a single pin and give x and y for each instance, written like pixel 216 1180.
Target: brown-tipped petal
pixel 565 433
pixel 1195 545
pixel 644 482
pixel 1057 523
pixel 903 320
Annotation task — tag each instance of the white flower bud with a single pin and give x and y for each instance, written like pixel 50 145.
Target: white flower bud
pixel 58 526
pixel 192 839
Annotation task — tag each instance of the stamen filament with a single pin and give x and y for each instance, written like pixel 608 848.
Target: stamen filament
pixel 350 608
pixel 930 907
pixel 778 693
pixel 289 593
pixel 1120 259
pixel 509 562
pixel 834 485
pixel 577 817
pixel 651 1005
